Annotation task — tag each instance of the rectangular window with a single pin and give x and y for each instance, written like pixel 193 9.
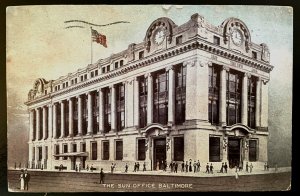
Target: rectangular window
pixel 81 78
pixel 179 40
pixel 216 40
pixel 92 74
pixel 74 146
pixel 75 116
pixel 82 147
pixel 46 152
pixel 75 80
pixel 66 109
pixel 121 63
pixel 84 113
pixel 143 91
pixel 180 93
pixel 65 150
pixel 254 55
pixel 160 97
pixel 252 150
pixel 58 120
pixel 85 76
pixel 116 65
pixel 40 150
pixel 214 149
pixel 105 150
pixel 103 69
pixel 55 88
pixel 96 72
pixel 72 82
pixel 141 149
pixel 33 153
pixel 107 109
pixel 178 148
pixel 120 99
pixel 58 87
pixel 94 150
pixel 141 54
pixel 95 105
pixel 108 68
pixel 56 147
pixel 252 82
pixel 63 85
pixel 67 84
pixel 119 150
pixel 213 94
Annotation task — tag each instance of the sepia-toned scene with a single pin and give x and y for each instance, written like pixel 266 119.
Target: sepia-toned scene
pixel 106 98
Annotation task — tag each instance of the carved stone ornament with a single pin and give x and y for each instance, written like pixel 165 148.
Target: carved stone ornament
pixel 265 53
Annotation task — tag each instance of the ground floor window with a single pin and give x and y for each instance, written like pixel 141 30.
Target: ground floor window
pixel 74 147
pixel 65 148
pixel 141 149
pixel 214 149
pixel 252 150
pixel 119 150
pixel 56 147
pixel 178 149
pixel 105 152
pixel 94 150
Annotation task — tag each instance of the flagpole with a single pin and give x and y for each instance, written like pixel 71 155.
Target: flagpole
pixel 91 47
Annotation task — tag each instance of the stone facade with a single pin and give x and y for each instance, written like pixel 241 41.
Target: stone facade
pixel 196 45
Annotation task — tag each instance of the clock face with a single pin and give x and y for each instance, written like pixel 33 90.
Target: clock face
pixel 237 37
pixel 159 36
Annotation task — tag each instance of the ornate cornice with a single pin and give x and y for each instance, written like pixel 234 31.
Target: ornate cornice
pixel 192 44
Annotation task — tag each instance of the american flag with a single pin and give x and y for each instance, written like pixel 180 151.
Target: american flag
pixel 99 38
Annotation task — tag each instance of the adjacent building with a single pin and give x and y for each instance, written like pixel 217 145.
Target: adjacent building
pixel 194 91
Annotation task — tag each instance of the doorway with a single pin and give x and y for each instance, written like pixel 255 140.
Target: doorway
pixel 234 152
pixel 159 153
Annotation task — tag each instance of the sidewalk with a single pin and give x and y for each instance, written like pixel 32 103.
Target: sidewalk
pixel 231 172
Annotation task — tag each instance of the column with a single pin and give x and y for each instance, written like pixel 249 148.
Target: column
pixel 31 125
pixel 50 121
pixel 62 117
pixel 136 103
pixel 44 122
pixel 71 134
pixel 222 97
pixel 54 120
pixel 79 115
pixel 90 113
pixel 257 103
pixel 171 98
pixel 149 98
pixel 101 111
pixel 202 89
pixel 244 112
pixel 125 103
pixel 37 111
pixel 113 108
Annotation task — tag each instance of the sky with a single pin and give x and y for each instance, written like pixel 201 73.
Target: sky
pixel 40 46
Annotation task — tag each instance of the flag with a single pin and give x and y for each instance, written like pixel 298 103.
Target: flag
pixel 99 38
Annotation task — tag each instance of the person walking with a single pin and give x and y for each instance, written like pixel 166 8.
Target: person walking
pixel 101 176
pixel 225 167
pixel 251 167
pixel 198 166
pixel 190 166
pixel 176 167
pixel 138 166
pixel 134 168
pixel 211 168
pixel 186 167
pixel 144 166
pixel 26 180
pixel 236 176
pixel 126 168
pixel 247 167
pixel 207 168
pixel 221 170
pixel 195 166
pixel 182 166
pixel 22 180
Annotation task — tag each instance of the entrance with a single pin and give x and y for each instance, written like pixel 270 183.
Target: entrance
pixel 234 152
pixel 159 153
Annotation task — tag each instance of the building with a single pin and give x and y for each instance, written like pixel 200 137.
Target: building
pixel 194 91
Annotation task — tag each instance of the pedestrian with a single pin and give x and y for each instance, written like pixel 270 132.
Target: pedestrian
pixel 171 166
pixel 207 168
pixel 251 167
pixel 144 166
pixel 247 167
pixel 198 166
pixel 236 175
pixel 225 167
pixel 138 166
pixel 176 167
pixel 87 167
pixel 211 168
pixel 221 170
pixel 182 166
pixel 134 168
pixel 92 168
pixel 126 168
pixel 76 168
pixel 190 166
pixel 186 167
pixel 22 180
pixel 101 176
pixel 195 166
pixel 112 168
pixel 165 165
pixel 26 179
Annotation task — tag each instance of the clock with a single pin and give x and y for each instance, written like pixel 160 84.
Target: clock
pixel 237 37
pixel 159 36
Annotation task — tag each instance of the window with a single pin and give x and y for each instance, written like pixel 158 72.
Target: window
pixel 82 147
pixel 107 110
pixel 251 101
pixel 40 155
pixel 213 94
pixel 141 149
pixel 141 54
pixel 84 114
pixel 75 116
pixel 121 63
pixel 85 76
pixel 58 87
pixel 55 88
pixel 81 78
pixel 216 40
pixel 116 65
pixel 252 150
pixel 75 80
pixel 103 69
pixel 108 68
pixel 95 105
pixel 67 84
pixel 66 109
pixel 233 97
pixel 120 99
pixel 74 146
pixel 63 85
pixel 65 149
pixel 34 124
pixel 46 152
pixel 180 93
pixel 178 148
pixel 92 74
pixel 41 123
pixel 72 82
pixel 33 153
pixel 160 97
pixel 179 40
pixel 94 150
pixel 105 148
pixel 119 150
pixel 96 72
pixel 254 55
pixel 58 120
pixel 56 147
pixel 143 89
pixel 214 149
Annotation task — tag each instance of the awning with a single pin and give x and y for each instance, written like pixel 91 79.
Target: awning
pixel 72 154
